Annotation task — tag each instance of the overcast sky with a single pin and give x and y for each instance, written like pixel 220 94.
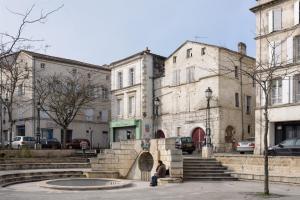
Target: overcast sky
pixel 101 31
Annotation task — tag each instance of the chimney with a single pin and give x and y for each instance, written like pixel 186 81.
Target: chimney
pixel 242 48
pixel 147 50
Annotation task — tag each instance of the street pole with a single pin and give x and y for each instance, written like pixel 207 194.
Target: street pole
pixel 38 127
pixel 207 150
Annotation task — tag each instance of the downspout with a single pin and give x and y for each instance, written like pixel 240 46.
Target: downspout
pixel 34 96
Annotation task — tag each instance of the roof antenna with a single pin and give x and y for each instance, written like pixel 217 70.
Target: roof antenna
pixel 199 37
pixel 46 47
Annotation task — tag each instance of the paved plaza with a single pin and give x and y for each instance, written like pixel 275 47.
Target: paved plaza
pixel 141 190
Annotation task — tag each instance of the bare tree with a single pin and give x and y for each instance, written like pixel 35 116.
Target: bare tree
pixel 14 73
pixel 63 96
pixel 262 74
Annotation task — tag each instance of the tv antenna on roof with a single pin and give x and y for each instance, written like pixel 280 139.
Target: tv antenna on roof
pixel 199 37
pixel 46 47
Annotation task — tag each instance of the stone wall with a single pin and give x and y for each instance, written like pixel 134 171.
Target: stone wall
pixel 38 153
pixel 125 156
pixel 281 168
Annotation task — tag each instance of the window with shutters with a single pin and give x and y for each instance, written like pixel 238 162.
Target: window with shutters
pixel 275 53
pixel 236 72
pixel 276 91
pixel 190 71
pixel 296 12
pixel 119 107
pixel 296 48
pixel 176 77
pixel 131 105
pixel 120 80
pixel 275 20
pixel 248 105
pixel 297 87
pixel 131 76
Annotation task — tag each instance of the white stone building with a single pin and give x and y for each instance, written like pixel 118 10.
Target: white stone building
pixel 278 36
pixel 189 71
pixel 90 123
pixel 132 95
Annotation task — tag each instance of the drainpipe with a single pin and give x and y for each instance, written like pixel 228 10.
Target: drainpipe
pixel 242 50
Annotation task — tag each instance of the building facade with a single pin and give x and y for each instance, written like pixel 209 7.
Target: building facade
pixel 189 71
pixel 278 44
pixel 132 95
pixel 91 122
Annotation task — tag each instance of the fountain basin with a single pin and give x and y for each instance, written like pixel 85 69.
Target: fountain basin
pixel 85 184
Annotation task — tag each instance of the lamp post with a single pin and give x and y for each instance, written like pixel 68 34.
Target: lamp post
pixel 9 128
pixel 156 106
pixel 38 127
pixel 207 150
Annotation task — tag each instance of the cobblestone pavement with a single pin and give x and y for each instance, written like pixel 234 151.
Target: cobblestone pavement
pixel 189 190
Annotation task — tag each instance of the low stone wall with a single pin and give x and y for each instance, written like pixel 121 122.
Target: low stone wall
pixel 31 153
pixel 251 167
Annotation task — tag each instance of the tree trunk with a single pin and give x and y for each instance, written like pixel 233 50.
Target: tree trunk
pixel 10 133
pixel 266 158
pixel 65 130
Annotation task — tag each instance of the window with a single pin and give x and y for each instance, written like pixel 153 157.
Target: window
pixel 297 87
pixel 21 89
pixel 296 42
pixel 43 65
pixel 203 51
pixel 275 19
pixel 296 12
pixel 249 129
pixel 131 76
pixel 276 91
pixel 107 77
pixel 103 116
pixel 237 100
pixel 120 80
pixel 248 104
pixel 119 106
pixel 176 77
pixel 190 71
pixel 236 72
pixel 89 114
pixel 275 53
pixel 74 71
pixel 88 75
pixel 189 53
pixel 104 93
pixel 174 59
pixel 131 105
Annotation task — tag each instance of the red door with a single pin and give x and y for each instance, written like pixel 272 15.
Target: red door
pixel 198 136
pixel 160 134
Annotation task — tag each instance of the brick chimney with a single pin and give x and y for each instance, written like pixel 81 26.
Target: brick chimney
pixel 242 48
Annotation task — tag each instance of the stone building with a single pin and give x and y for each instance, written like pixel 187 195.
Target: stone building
pixel 132 95
pixel 278 36
pixel 90 123
pixel 189 71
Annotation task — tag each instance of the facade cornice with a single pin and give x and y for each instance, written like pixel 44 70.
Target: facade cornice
pixel 266 5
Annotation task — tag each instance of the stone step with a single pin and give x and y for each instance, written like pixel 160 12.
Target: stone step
pixel 43 160
pixel 213 178
pixel 204 170
pixel 19 166
pixel 195 174
pixel 9 179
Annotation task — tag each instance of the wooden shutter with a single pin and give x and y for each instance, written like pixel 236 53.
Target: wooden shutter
pixel 289 50
pixel 278 53
pixel 270 21
pixel 285 90
pixel 296 12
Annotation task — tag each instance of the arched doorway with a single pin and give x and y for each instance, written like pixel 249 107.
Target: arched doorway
pixel 160 134
pixel 229 138
pixel 198 137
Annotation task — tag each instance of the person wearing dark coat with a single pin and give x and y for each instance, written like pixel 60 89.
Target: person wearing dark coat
pixel 160 173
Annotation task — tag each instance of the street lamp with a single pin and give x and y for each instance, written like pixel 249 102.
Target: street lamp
pixel 208 95
pixel 38 128
pixel 156 106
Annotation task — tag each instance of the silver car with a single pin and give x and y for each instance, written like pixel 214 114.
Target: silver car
pixel 247 145
pixel 23 141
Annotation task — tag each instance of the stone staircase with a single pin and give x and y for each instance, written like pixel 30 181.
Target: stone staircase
pixel 198 169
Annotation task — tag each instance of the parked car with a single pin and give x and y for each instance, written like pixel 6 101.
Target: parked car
pixel 50 143
pixel 186 144
pixel 23 141
pixel 75 143
pixel 289 147
pixel 246 145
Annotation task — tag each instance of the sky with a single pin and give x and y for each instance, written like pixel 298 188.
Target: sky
pixel 103 31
